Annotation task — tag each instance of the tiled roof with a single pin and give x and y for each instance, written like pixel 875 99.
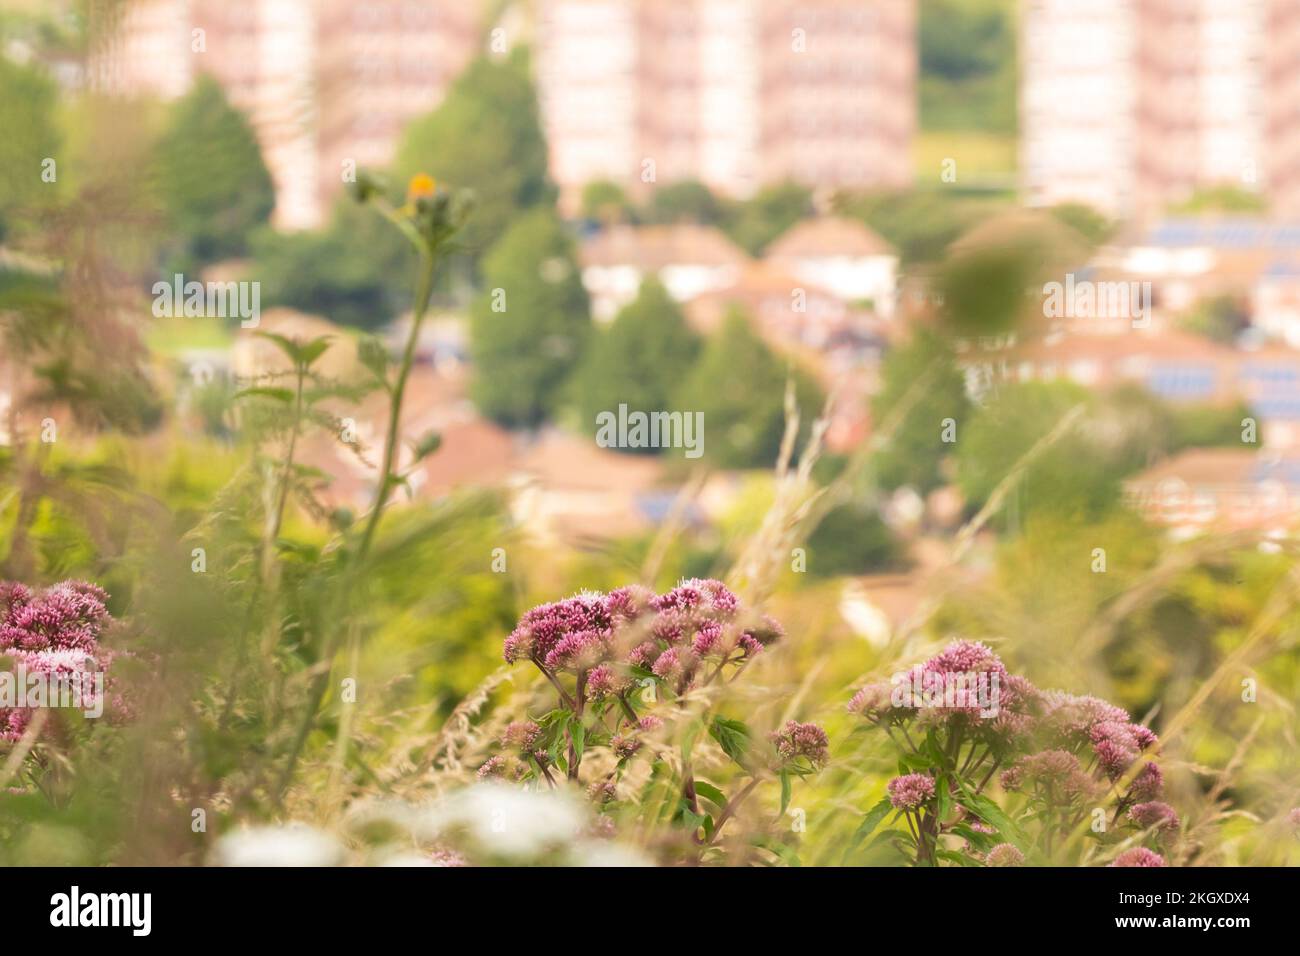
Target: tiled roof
pixel 829 236
pixel 654 247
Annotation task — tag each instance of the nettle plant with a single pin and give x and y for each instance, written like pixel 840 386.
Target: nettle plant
pixel 626 667
pixel 1069 770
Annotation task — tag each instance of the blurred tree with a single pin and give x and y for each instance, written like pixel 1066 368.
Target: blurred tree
pixel 1122 432
pixel 968 60
pixel 640 360
pixel 1220 318
pixel 686 200
pixel 349 272
pixel 852 539
pixel 923 372
pixel 739 385
pixel 1196 426
pixel 27 106
pixel 754 223
pixel 1084 220
pixel 486 136
pixel 920 223
pixel 605 201
pixel 211 179
pixel 1221 199
pixel 530 324
pixel 989 276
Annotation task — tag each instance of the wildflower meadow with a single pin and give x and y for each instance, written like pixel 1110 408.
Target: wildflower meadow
pixel 379 487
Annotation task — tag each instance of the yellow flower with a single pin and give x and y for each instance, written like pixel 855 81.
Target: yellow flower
pixel 422 184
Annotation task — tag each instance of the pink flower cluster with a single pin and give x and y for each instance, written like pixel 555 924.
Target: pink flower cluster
pixel 966 685
pixel 51 632
pixel 911 791
pixel 1139 856
pixel 1059 749
pixel 796 740
pixel 606 639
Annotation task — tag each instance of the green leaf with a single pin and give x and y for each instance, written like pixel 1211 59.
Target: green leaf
pixel 709 792
pixel 868 824
pixel 945 798
pixel 313 350
pixel 372 354
pixel 992 814
pixel 732 736
pixel 300 353
pixel 785 854
pixel 578 733
pixel 427 445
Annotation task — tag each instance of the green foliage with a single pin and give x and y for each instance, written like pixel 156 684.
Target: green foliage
pixel 1221 200
pixel 345 272
pixel 739 385
pixel 211 179
pixel 686 200
pixel 1121 433
pixel 27 99
pixel 1220 319
pixel 753 224
pixel 1197 426
pixel 851 539
pixel 919 223
pixel 923 373
pixel 968 65
pixel 486 135
pixel 1085 220
pixel 523 353
pixel 606 201
pixel 640 360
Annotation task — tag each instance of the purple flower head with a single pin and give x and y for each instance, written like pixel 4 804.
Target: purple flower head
pixel 1139 856
pixel 1004 854
pixel 630 603
pixel 650 723
pixel 66 616
pixel 1147 784
pixel 493 767
pixel 543 627
pixel 602 681
pixel 578 651
pixel 1154 814
pixel 12 595
pixel 964 657
pixel 796 740
pixel 1068 718
pixel 1115 744
pixel 675 664
pixel 708 638
pixel 767 631
pixel 1293 818
pixel 602 792
pixel 873 700
pixel 701 596
pixel 911 791
pixel 522 735
pixel 624 746
pixel 685 597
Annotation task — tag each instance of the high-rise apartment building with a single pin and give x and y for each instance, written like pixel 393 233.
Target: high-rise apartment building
pixel 325 83
pixel 1130 105
pixel 735 93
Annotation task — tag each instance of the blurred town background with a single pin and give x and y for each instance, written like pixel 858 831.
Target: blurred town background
pixel 952 224
pixel 696 199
